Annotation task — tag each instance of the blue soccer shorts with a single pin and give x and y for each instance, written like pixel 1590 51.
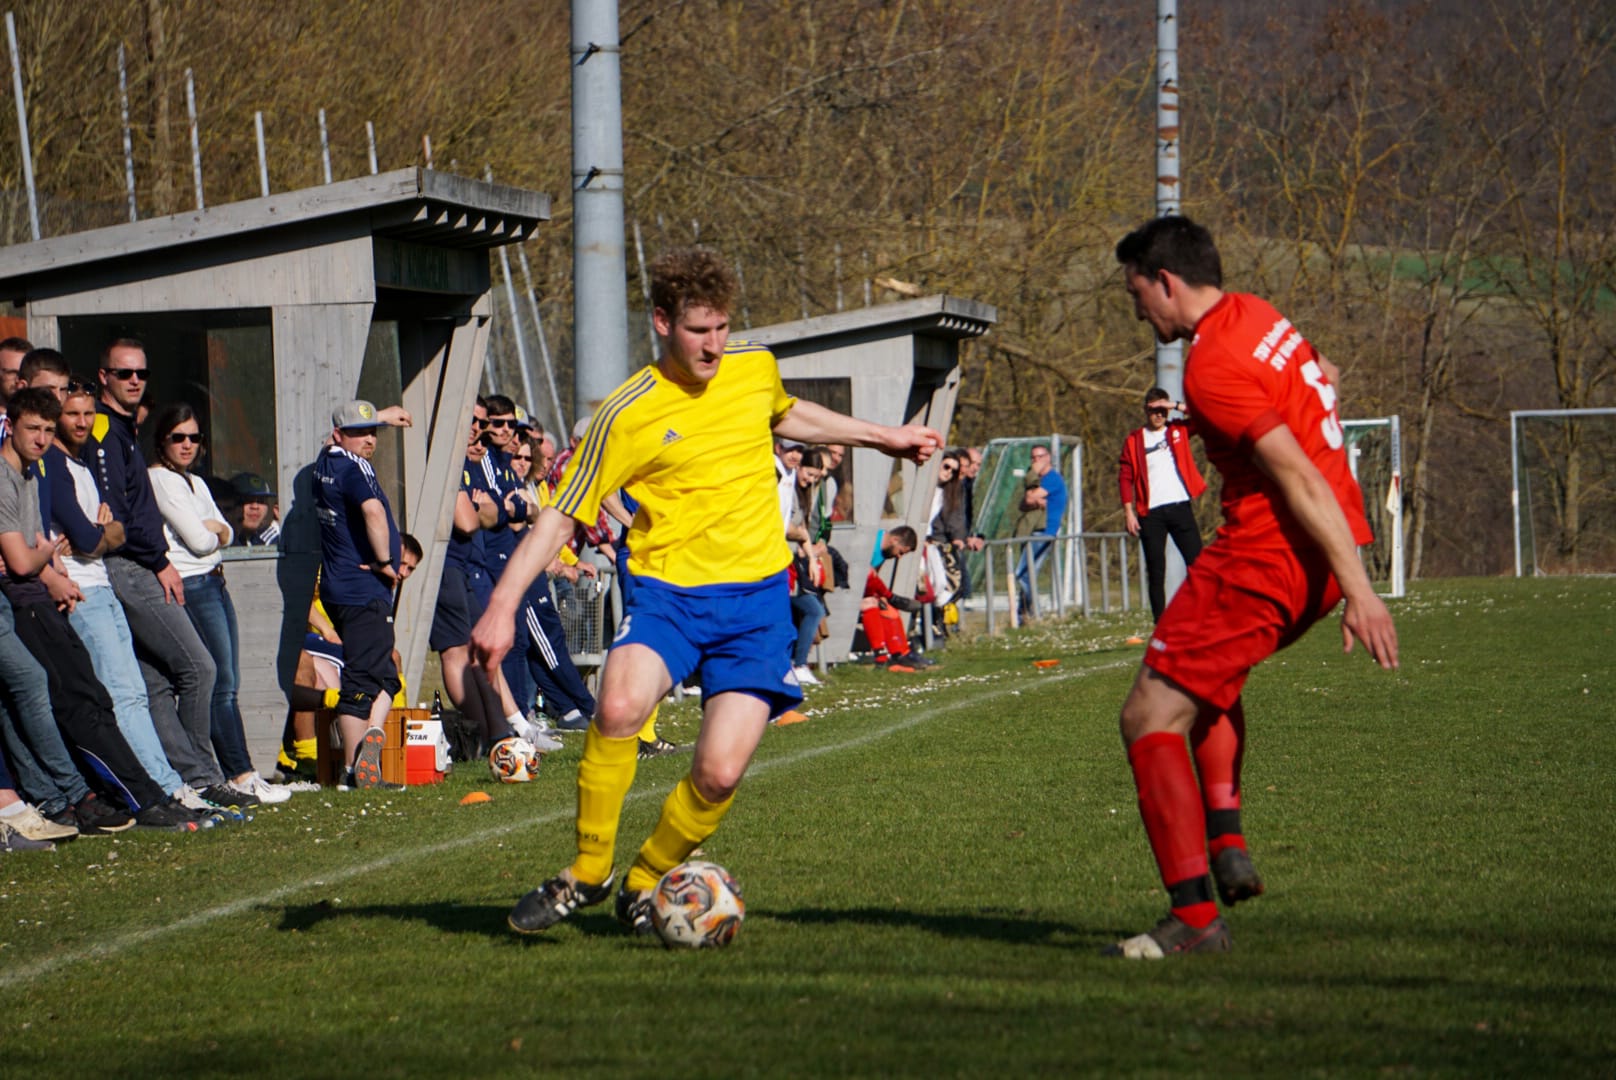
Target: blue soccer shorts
pixel 735 638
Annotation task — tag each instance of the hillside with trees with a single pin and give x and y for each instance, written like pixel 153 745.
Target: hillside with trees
pixel 1424 187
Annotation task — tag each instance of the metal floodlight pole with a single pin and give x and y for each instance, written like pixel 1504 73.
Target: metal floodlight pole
pixel 740 288
pixel 600 293
pixel 645 289
pixel 128 137
pixel 196 143
pixel 544 345
pixel 22 126
pixel 516 317
pixel 1170 357
pixel 325 148
pixel 1169 193
pixel 370 142
pixel 263 156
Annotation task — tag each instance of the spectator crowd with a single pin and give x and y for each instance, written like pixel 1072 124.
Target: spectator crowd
pixel 120 655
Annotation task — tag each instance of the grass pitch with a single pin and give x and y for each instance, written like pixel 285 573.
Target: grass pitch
pixel 931 866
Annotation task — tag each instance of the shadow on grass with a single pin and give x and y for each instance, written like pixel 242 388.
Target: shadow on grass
pixel 989 924
pixel 487 920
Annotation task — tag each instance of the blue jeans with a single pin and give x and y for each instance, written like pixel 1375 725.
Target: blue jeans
pixel 40 761
pixel 178 671
pixel 806 611
pixel 1025 573
pixel 98 621
pixel 208 604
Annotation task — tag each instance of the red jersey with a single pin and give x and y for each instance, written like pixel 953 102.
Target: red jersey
pixel 1249 371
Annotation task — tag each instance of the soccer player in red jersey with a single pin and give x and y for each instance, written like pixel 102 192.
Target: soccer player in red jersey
pixel 1263 401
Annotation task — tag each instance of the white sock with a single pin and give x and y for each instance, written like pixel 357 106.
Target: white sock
pixel 514 719
pixel 13 810
pixel 573 715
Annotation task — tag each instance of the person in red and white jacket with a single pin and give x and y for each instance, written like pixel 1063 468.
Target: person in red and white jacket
pixel 1156 479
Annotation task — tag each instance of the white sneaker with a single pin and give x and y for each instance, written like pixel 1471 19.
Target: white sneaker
pixel 261 789
pixel 188 797
pixel 805 676
pixel 36 826
pixel 538 735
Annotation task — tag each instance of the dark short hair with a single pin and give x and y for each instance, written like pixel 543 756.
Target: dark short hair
pixel 1156 393
pixel 1175 244
pixel 37 360
pixel 905 534
pixel 499 405
pixel 813 458
pixel 120 343
pixel 691 277
pixel 16 344
pixel 411 546
pixel 35 401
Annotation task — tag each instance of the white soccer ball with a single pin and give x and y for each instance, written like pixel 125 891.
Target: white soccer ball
pixel 697 905
pixel 514 760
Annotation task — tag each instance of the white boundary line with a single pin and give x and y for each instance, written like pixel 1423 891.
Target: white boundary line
pixel 125 942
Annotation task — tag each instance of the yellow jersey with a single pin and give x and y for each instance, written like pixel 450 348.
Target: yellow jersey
pixel 701 461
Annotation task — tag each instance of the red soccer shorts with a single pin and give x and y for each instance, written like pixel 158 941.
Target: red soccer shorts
pixel 1235 609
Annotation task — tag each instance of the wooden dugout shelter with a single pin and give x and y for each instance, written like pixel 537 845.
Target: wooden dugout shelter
pixel 895 364
pixel 266 314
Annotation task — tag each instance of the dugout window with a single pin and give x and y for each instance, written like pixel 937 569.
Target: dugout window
pixel 221 363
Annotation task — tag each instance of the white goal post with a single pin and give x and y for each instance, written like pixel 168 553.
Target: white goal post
pixel 1380 475
pixel 1520 494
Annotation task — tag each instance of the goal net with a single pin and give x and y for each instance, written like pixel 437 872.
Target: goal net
pixel 1375 453
pixel 1564 490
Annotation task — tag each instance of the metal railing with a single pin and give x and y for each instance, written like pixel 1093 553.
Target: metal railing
pixel 1065 576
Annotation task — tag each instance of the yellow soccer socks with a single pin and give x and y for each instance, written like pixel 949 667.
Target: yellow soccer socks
pixel 648 732
pixel 604 776
pixel 687 819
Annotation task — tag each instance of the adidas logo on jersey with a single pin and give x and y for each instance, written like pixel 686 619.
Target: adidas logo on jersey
pixel 671 437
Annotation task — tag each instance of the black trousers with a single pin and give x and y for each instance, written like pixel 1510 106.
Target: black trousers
pixel 78 700
pixel 1178 521
pixel 368 671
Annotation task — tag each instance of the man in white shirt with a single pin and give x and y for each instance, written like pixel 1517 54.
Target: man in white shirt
pixel 1157 479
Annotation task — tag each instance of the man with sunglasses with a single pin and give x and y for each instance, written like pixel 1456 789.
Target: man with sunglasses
pixel 1157 478
pixel 178 669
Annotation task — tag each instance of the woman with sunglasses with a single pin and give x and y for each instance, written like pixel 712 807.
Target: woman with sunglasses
pixel 197 532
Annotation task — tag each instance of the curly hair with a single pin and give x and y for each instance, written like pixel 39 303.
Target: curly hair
pixel 691 277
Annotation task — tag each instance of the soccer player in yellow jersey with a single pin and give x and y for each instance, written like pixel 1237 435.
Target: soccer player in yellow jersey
pixel 693 435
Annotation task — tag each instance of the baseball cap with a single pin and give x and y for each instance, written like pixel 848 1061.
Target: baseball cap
pixel 251 486
pixel 355 414
pixel 523 418
pixel 791 444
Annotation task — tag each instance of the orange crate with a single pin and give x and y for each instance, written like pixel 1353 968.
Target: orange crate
pixel 330 762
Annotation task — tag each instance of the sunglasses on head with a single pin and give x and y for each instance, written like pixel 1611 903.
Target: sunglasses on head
pixel 176 438
pixel 124 374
